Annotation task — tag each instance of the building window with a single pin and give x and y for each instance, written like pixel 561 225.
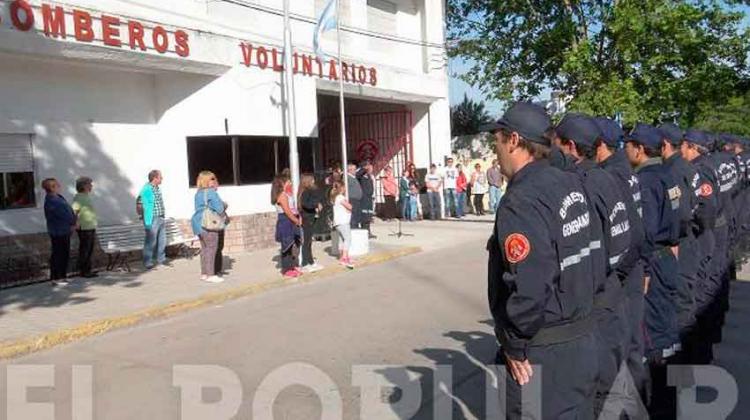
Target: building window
pixel 16 172
pixel 245 160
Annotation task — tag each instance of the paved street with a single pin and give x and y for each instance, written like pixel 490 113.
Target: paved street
pixel 416 312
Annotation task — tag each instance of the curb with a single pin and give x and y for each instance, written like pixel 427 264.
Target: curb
pixel 23 346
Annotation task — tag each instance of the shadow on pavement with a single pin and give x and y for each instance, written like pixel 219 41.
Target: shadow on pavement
pixel 732 354
pixel 462 390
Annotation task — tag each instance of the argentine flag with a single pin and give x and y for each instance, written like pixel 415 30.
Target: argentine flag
pixel 326 22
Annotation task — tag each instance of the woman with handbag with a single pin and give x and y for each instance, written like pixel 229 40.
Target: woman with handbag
pixel 208 222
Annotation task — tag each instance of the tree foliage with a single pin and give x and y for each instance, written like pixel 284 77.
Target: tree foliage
pixel 468 117
pixel 646 59
pixel 732 117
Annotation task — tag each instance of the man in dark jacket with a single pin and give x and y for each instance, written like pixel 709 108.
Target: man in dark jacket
pixel 355 195
pixel 61 222
pixel 367 184
pixel 577 135
pixel 660 202
pixel 539 277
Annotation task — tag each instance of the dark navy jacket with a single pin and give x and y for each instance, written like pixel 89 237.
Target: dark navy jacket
pixel 726 179
pixel 619 167
pixel 660 199
pixel 59 215
pixel 539 273
pixel 686 177
pixel 707 196
pixel 610 217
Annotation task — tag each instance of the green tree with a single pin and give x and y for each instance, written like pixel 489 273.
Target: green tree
pixel 733 117
pixel 643 58
pixel 468 117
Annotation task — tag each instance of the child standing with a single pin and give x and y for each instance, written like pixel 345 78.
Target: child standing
pixel 342 216
pixel 413 199
pixel 403 195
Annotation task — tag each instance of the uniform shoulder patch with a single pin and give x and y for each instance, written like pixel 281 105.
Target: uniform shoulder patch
pixel 517 248
pixel 706 190
pixel 674 193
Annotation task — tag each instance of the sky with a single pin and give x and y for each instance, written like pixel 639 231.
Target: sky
pixel 459 88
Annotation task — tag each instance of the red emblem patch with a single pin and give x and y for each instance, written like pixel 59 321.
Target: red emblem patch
pixel 517 248
pixel 706 190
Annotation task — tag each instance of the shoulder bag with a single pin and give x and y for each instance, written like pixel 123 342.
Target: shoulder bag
pixel 211 221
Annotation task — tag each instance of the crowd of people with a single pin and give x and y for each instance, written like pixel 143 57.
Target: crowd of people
pixel 449 190
pixel 63 219
pixel 298 216
pixel 611 259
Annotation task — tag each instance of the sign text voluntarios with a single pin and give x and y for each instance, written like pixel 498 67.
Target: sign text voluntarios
pixel 307 65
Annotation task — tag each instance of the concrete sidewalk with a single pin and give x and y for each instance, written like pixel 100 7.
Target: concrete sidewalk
pixel 41 316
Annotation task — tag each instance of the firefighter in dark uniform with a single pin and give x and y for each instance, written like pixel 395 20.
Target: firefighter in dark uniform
pixel 726 169
pixel 541 292
pixel 741 156
pixel 661 202
pixel 744 157
pixel 688 258
pixel 576 136
pixel 694 149
pixel 614 161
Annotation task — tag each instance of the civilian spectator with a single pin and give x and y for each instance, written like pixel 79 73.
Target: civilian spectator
pixel 412 168
pixel 495 179
pixel 152 203
pixel 367 183
pixel 413 201
pixel 355 195
pixel 449 189
pixel 342 213
pixel 208 222
pixel 404 196
pixel 311 205
pixel 478 189
pixel 87 223
pixel 390 192
pixel 461 184
pixel 434 183
pixel 335 174
pixel 61 222
pixel 287 225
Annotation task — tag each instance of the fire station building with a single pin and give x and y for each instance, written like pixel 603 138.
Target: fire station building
pixel 111 89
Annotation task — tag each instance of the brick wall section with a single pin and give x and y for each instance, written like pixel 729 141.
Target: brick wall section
pixel 24 258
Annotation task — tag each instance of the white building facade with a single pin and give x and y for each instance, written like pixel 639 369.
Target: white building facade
pixel 111 89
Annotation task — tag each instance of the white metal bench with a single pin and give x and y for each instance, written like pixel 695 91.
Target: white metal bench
pixel 118 240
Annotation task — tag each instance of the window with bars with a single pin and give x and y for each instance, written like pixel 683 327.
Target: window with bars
pixel 16 172
pixel 245 160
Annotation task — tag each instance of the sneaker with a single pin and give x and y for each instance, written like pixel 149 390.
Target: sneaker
pixel 346 263
pixel 316 267
pixel 215 279
pixel 309 268
pixel 60 282
pixel 292 274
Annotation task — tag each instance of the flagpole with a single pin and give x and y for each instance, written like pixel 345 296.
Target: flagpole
pixel 344 158
pixel 290 101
